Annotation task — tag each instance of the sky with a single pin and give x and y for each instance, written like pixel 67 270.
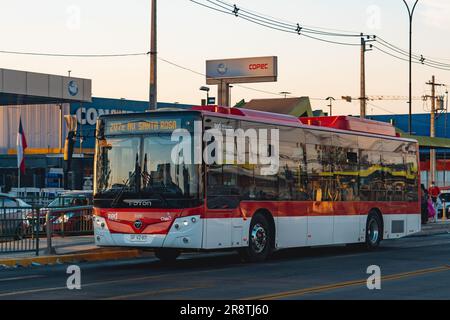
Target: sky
pixel 189 35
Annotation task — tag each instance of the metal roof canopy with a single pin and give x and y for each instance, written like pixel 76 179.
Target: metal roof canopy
pixel 25 88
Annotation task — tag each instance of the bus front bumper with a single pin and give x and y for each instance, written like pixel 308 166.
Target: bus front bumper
pixel 185 233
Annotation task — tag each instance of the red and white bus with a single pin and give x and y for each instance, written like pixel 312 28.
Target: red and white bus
pixel 339 180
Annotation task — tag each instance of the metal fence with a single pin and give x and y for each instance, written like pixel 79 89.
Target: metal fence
pixel 21 228
pixel 70 221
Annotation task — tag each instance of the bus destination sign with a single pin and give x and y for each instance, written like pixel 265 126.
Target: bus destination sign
pixel 143 126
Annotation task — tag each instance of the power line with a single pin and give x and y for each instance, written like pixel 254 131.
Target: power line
pixel 297 29
pixel 62 55
pixel 404 59
pixel 420 58
pixel 315 33
pixel 290 25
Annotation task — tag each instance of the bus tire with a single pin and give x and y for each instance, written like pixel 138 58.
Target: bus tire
pixel 374 231
pixel 167 255
pixel 260 240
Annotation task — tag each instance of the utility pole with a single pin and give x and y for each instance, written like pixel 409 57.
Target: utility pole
pixel 363 97
pixel 433 85
pixel 331 99
pixel 153 59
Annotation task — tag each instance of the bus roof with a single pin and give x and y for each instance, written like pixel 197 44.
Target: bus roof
pixel 344 123
pixel 335 123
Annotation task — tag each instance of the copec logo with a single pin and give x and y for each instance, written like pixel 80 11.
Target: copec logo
pixel 89 116
pixel 225 145
pixel 73 88
pixel 259 66
pixel 222 68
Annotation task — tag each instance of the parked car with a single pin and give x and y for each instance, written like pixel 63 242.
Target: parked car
pixel 69 212
pixel 13 217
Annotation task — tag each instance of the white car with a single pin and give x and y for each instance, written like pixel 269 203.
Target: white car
pixel 13 217
pixel 444 198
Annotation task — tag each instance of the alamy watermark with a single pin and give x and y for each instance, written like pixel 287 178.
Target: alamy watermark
pixel 374 281
pixel 374 17
pixel 74 280
pixel 73 21
pixel 226 145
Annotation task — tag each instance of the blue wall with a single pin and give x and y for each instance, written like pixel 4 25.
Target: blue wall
pixel 420 123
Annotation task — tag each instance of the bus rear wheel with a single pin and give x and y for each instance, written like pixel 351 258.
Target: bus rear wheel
pixel 167 255
pixel 260 240
pixel 374 231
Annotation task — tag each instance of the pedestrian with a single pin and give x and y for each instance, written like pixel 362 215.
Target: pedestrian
pixel 431 210
pixel 435 192
pixel 424 204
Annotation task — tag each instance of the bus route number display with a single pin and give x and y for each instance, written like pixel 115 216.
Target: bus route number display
pixel 144 126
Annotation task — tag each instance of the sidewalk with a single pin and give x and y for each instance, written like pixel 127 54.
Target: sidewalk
pixel 440 227
pixel 68 250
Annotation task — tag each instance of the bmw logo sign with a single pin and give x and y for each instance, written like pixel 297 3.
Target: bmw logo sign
pixel 138 224
pixel 73 88
pixel 222 69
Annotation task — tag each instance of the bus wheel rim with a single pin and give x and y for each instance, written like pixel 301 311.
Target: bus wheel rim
pixel 259 238
pixel 373 231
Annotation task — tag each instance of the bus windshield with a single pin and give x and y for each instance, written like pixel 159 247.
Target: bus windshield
pixel 138 171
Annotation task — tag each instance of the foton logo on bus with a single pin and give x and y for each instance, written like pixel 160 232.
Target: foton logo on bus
pixel 224 145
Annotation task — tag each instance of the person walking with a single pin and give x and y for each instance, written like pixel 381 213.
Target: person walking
pixel 424 205
pixel 435 192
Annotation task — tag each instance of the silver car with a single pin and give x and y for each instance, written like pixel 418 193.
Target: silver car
pixel 13 217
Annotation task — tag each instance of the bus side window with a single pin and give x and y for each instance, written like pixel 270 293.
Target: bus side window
pixel 223 190
pixel 315 170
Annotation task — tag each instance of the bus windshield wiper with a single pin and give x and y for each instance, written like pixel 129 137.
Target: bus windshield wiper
pixel 136 175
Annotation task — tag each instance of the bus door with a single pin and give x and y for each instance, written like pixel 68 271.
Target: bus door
pixel 222 205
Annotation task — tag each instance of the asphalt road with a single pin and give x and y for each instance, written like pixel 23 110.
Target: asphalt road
pixel 411 268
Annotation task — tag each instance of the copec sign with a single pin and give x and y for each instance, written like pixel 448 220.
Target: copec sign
pixel 243 70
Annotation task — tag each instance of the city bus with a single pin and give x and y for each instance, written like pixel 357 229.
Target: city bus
pixel 214 178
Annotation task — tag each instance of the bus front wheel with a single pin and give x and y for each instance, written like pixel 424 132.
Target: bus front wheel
pixel 167 255
pixel 260 240
pixel 374 231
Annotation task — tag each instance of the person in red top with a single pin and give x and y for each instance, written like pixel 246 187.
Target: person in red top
pixel 434 192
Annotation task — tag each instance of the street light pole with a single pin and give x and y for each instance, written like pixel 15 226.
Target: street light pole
pixel 411 15
pixel 206 89
pixel 331 99
pixel 153 59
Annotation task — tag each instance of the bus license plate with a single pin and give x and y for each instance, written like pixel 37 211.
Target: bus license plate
pixel 138 238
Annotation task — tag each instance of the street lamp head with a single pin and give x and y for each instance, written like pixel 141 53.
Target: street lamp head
pixel 203 88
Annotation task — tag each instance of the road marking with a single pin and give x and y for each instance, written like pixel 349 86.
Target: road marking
pixel 16 293
pixel 152 293
pixel 346 284
pixel 22 278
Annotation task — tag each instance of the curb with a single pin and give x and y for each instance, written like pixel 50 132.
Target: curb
pixel 423 235
pixel 72 258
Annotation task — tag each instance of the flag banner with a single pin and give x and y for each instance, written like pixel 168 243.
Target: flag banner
pixel 21 147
